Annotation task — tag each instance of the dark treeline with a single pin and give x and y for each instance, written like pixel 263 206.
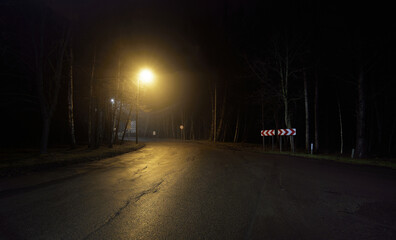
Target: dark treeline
pixel 226 70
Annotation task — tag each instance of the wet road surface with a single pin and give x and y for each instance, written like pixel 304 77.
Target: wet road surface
pixel 171 190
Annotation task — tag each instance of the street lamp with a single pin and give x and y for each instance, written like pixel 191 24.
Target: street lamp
pixel 146 76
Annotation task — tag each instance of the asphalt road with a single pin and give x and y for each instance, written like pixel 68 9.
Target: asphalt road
pixel 171 190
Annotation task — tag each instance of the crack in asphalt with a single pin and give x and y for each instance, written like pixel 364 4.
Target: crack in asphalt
pixel 140 170
pixel 153 189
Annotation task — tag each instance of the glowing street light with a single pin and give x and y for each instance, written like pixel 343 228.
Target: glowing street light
pixel 146 76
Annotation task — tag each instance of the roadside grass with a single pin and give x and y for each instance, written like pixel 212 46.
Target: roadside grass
pixel 381 162
pixel 19 161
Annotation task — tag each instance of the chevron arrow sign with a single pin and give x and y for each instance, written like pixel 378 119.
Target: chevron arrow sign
pixel 287 132
pixel 267 133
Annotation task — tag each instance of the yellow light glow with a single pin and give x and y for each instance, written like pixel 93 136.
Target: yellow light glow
pixel 146 76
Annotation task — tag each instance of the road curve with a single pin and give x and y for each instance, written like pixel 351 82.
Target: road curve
pixel 171 190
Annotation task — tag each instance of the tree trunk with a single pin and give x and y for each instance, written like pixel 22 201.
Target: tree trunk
pixel 215 114
pixel 91 138
pixel 110 123
pixel 192 135
pixel 48 107
pixel 225 131
pixel 119 98
pixel 126 123
pixel 316 114
pixel 276 120
pixel 237 126
pixel 262 112
pixel 284 77
pixel 288 122
pixel 117 126
pixel 70 102
pixel 245 125
pixel 40 89
pixel 213 98
pixel 262 118
pixel 173 126
pixel 379 129
pixel 44 135
pixel 221 120
pixel 146 126
pixel 166 128
pixel 361 141
pixel 391 137
pixel 306 112
pixel 341 129
pixel 99 127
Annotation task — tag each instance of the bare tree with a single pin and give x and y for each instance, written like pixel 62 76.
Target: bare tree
pixel 120 101
pixel 284 67
pixel 306 111
pixel 91 138
pixel 284 54
pixel 48 83
pixel 341 129
pixel 70 93
pixel 126 123
pixel 361 140
pixel 222 113
pixel 213 98
pixel 236 133
pixel 316 113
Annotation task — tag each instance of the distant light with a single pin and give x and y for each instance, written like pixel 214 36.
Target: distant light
pixel 112 100
pixel 146 76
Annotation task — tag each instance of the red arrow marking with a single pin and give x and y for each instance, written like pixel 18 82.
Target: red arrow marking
pixel 268 132
pixel 287 132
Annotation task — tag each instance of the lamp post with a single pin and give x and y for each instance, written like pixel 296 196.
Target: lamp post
pixel 137 109
pixel 112 114
pixel 146 76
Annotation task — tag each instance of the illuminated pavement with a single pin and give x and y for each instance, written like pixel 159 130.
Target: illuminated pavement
pixel 192 191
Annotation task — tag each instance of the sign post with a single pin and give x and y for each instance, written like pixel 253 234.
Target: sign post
pixel 265 133
pixel 286 132
pixel 273 143
pixel 280 144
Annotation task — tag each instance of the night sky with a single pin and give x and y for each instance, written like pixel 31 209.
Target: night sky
pixel 194 47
